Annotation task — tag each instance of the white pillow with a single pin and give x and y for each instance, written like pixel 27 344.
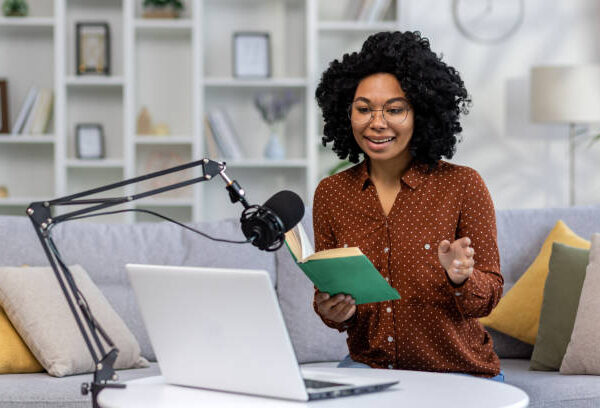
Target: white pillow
pixel 34 303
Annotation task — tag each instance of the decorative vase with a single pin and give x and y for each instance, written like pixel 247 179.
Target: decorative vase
pixel 274 150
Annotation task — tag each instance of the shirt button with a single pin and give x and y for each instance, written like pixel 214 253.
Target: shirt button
pixel 389 310
pixel 386 250
pixel 458 293
pixel 427 246
pixel 390 366
pixel 390 339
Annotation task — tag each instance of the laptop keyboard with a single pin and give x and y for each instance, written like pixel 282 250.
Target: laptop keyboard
pixel 315 384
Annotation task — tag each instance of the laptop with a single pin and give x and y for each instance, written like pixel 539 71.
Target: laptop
pixel 222 329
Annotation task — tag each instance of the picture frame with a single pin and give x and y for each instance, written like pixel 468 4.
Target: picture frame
pixel 89 141
pixel 251 54
pixel 92 48
pixel 4 119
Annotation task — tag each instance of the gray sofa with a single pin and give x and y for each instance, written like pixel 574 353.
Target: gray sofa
pixel 104 249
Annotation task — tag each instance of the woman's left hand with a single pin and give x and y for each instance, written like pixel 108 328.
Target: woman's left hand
pixel 457 259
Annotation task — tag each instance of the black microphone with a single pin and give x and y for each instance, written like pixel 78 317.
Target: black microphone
pixel 265 225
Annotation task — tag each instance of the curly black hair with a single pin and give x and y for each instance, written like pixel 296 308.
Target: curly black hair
pixel 434 90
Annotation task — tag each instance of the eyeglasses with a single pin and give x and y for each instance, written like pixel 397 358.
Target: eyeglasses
pixel 395 112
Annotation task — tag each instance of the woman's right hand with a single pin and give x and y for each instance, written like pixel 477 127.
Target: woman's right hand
pixel 338 308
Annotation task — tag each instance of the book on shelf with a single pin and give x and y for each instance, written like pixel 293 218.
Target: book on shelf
pixel 25 109
pixel 39 115
pixel 42 113
pixel 211 145
pixel 339 270
pixel 224 134
pixel 35 113
pixel 372 10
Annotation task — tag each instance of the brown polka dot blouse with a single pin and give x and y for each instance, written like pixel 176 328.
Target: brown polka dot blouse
pixel 434 326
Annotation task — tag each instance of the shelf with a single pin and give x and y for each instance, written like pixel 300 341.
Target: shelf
pixel 19 201
pixel 162 140
pixel 163 25
pixel 357 26
pixel 27 22
pixel 88 80
pixel 262 163
pixel 93 163
pixel 259 83
pixel 8 138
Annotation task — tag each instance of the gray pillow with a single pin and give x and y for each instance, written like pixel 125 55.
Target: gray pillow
pixel 507 346
pixel 35 305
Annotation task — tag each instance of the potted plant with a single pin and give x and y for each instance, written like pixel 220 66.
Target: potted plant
pixel 162 8
pixel 15 8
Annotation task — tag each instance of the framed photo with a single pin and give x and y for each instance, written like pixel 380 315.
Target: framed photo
pixel 251 55
pixel 89 141
pixel 92 43
pixel 4 125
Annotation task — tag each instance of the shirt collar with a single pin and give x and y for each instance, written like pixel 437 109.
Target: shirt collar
pixel 413 177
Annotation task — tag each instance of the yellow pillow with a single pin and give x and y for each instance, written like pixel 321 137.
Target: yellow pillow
pixel 15 357
pixel 518 312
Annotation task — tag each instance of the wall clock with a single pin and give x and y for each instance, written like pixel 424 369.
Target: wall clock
pixel 488 21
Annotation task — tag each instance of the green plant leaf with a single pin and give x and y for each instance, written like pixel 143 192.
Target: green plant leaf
pixel 593 140
pixel 338 167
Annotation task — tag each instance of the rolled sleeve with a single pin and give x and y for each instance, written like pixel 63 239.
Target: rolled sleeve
pixel 481 292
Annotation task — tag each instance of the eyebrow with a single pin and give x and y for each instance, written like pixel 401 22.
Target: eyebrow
pixel 399 98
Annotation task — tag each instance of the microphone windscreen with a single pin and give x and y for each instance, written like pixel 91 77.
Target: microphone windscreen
pixel 288 206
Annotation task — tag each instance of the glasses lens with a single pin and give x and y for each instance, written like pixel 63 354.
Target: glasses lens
pixel 394 112
pixel 360 112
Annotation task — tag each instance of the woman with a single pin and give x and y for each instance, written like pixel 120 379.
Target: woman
pixel 427 225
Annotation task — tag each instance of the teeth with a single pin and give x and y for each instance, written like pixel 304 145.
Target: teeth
pixel 381 141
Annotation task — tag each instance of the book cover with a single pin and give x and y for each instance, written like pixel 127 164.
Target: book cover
pixel 339 270
pixel 224 134
pixel 25 109
pixel 40 121
pixel 33 112
pixel 211 145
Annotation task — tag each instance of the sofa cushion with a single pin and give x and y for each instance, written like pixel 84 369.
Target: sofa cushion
pixel 35 304
pixel 312 340
pixel 40 390
pixel 104 249
pixel 518 312
pixel 583 355
pixel 506 346
pixel 549 389
pixel 559 307
pixel 15 356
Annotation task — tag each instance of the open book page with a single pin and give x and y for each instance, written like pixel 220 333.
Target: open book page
pixel 299 244
pixel 334 253
pixel 307 248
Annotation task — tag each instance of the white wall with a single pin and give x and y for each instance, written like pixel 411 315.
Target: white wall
pixel 523 164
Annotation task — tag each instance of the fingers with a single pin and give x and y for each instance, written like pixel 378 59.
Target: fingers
pixel 342 311
pixel 464 242
pixel 444 246
pixel 337 308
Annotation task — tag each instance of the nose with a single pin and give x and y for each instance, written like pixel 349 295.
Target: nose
pixel 378 121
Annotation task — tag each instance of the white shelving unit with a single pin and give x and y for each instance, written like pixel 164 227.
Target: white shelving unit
pixel 179 69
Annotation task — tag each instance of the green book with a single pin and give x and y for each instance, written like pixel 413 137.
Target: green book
pixel 339 270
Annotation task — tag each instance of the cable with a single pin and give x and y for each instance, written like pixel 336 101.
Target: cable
pixel 249 240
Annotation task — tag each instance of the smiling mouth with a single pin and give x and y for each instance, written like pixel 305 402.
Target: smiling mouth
pixel 379 141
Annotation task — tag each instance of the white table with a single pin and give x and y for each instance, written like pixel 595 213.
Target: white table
pixel 416 389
